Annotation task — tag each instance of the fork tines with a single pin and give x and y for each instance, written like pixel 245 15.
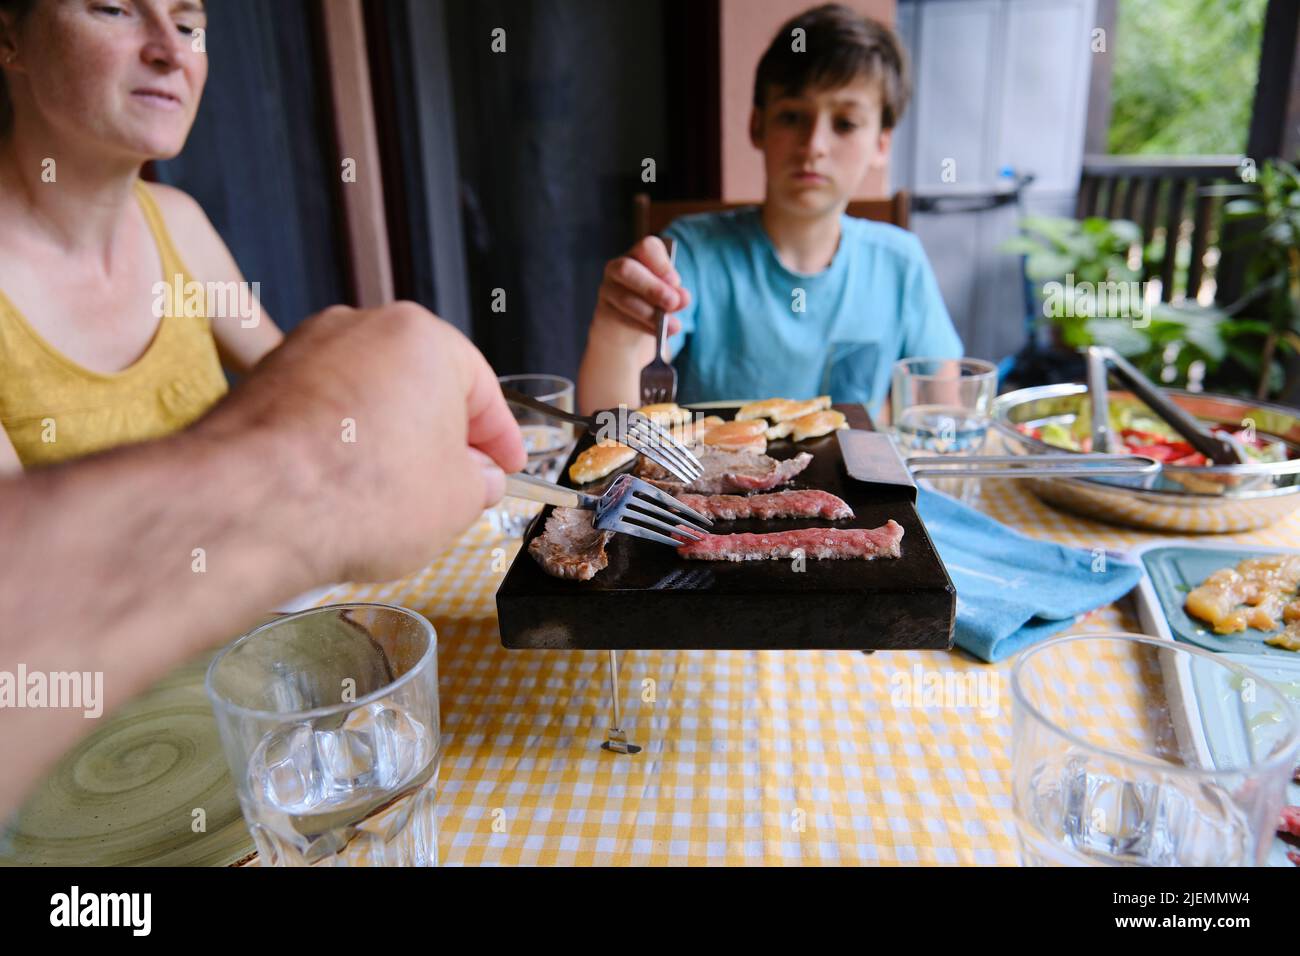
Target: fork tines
pixel 644 511
pixel 657 443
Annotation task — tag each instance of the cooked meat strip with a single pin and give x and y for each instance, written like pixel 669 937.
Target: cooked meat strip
pixel 571 546
pixel 814 543
pixel 778 504
pixel 727 472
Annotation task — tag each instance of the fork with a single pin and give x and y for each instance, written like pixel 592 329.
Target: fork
pixel 659 379
pixel 630 428
pixel 628 506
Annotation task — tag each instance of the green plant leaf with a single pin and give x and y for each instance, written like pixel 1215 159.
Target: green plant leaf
pixel 1126 232
pixel 1020 245
pixel 1119 334
pixel 1044 266
pixel 1242 209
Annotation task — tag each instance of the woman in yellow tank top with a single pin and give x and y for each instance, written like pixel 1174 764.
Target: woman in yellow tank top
pixel 106 282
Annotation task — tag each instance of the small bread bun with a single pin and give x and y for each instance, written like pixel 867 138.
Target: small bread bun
pixel 694 431
pixel 780 430
pixel 599 460
pixel 792 410
pixel 666 413
pixel 738 436
pixel 817 424
pixel 782 409
pixel 763 409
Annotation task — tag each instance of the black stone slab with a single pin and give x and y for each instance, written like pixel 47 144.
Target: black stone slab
pixel 649 598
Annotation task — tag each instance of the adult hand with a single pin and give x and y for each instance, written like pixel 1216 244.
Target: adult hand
pixel 400 428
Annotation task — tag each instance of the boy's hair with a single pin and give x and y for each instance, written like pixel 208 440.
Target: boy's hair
pixel 837 46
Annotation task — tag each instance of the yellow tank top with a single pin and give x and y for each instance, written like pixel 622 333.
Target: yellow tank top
pixel 53 409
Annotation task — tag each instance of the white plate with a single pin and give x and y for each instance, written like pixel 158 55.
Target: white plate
pixel 1205 726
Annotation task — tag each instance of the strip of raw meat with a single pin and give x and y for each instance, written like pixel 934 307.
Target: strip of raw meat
pixel 779 504
pixel 1290 823
pixel 727 472
pixel 571 546
pixel 818 543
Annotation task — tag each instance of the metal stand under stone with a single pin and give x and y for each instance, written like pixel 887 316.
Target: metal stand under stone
pixel 617 741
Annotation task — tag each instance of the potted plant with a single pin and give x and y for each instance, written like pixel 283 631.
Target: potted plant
pixel 1267 317
pixel 1069 262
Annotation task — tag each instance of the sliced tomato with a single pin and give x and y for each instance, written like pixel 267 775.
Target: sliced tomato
pixel 1158 452
pixel 1194 460
pixel 1145 438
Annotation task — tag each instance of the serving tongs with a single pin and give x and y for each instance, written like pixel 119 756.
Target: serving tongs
pixel 627 427
pixel 1030 466
pixel 1103 359
pixel 628 506
pixel 873 457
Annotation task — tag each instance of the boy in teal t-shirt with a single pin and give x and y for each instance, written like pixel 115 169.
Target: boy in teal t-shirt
pixel 792 298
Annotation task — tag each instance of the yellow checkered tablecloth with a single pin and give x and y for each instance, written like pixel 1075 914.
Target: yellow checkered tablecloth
pixel 751 757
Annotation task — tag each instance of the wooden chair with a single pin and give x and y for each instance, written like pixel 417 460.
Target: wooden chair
pixel 652 217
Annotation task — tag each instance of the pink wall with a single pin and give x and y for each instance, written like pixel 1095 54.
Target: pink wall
pixel 747 28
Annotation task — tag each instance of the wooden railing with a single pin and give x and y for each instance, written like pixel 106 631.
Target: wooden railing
pixel 1166 196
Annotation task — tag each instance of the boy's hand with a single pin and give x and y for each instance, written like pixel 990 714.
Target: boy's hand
pixel 636 284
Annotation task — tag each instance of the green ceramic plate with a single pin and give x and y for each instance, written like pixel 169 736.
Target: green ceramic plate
pixel 127 794
pixel 1175 569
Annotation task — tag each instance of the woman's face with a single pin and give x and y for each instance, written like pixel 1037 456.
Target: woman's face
pixel 126 75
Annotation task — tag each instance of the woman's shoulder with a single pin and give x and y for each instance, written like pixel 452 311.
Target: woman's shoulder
pixel 192 233
pixel 181 212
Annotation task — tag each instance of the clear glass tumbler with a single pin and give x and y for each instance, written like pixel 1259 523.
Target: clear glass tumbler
pixel 1130 750
pixel 942 407
pixel 548 443
pixel 329 720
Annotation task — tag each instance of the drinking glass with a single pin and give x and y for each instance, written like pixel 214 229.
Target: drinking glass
pixel 1130 750
pixel 329 720
pixel 941 407
pixel 548 443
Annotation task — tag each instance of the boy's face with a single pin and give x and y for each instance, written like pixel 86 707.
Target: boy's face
pixel 817 146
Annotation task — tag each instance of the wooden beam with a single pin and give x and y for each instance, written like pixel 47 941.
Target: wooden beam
pixel 370 264
pixel 1096 136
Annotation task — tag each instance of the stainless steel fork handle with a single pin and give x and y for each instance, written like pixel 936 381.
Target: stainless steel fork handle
pixel 547 492
pixel 542 408
pixel 660 314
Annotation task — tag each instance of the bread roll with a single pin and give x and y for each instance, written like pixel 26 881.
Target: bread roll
pixel 817 424
pixel 666 413
pixel 599 460
pixel 738 436
pixel 782 409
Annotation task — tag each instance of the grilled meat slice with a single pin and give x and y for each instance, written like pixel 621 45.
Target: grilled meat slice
pixel 813 543
pixel 727 472
pixel 778 504
pixel 571 546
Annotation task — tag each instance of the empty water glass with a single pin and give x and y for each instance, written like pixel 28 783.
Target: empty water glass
pixel 1130 750
pixel 329 720
pixel 942 407
pixel 547 441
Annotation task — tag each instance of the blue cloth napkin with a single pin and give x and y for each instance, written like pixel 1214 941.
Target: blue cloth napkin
pixel 1012 590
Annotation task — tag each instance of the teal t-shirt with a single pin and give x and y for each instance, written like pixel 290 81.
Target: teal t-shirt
pixel 755 329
